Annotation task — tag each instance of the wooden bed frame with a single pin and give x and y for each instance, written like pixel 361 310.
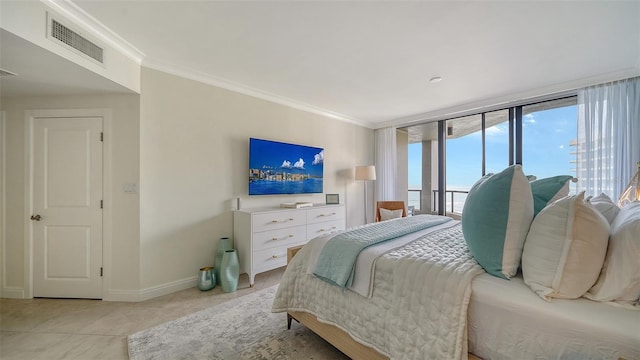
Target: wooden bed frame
pixel 339 338
pixel 336 336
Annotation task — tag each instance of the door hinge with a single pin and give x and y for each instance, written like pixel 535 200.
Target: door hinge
pixel 101 204
pixel 101 271
pixel 101 136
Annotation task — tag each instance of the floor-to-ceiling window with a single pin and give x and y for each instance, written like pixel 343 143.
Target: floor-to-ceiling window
pixel 496 140
pixel 548 131
pixel 539 136
pixel 423 167
pixel 414 155
pixel 464 159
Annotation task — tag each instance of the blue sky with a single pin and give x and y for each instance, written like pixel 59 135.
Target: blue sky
pixel 285 157
pixel 546 150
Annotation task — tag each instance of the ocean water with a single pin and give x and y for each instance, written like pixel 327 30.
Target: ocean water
pixel 414 199
pixel 269 187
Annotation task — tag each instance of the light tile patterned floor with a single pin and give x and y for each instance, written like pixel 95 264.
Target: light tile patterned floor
pixel 92 329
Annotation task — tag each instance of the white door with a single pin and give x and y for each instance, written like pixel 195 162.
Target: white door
pixel 67 207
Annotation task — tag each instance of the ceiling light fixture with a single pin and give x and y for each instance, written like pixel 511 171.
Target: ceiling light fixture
pixel 435 79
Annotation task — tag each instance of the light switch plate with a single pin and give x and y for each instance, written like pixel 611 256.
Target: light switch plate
pixel 130 188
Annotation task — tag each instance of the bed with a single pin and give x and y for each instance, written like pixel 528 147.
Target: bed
pixel 499 319
pixel 530 272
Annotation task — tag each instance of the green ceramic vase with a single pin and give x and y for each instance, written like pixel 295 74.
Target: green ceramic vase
pixel 224 244
pixel 229 271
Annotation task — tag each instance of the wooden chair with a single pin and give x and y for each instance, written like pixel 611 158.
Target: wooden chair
pixel 390 205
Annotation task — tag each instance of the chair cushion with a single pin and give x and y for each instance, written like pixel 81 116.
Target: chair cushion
pixel 386 214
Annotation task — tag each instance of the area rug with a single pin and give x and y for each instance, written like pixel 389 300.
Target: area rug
pixel 242 328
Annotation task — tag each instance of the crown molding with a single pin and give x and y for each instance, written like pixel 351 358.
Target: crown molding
pixel 88 22
pixel 208 79
pixel 82 18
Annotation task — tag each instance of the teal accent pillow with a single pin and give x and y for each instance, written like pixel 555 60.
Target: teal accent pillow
pixel 548 190
pixel 496 218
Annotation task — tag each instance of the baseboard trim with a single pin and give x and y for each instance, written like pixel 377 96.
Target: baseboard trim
pixel 119 294
pixel 12 293
pixel 151 292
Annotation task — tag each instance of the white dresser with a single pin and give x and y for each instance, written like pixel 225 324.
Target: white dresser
pixel 262 235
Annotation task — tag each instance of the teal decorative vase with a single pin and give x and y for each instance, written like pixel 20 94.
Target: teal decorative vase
pixel 224 244
pixel 229 271
pixel 206 279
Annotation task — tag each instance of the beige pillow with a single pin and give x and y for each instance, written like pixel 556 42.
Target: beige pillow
pixel 565 248
pixel 605 206
pixel 620 277
pixel 386 214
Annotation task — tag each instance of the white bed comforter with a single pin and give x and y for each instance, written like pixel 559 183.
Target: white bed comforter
pixel 418 308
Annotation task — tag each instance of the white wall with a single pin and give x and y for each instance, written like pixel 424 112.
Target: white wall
pixel 124 138
pixel 186 146
pixel 28 20
pixel 194 163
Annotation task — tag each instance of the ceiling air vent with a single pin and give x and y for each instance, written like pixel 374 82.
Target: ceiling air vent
pixel 76 41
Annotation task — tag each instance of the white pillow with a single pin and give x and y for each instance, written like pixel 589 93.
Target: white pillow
pixel 386 214
pixel 565 249
pixel 605 206
pixel 620 276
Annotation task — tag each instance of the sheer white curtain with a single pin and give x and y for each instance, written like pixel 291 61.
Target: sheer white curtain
pixel 386 164
pixel 608 136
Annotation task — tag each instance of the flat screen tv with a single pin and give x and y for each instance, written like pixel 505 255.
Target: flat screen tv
pixel 282 168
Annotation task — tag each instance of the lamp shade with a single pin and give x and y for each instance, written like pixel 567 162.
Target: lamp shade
pixel 632 192
pixel 366 172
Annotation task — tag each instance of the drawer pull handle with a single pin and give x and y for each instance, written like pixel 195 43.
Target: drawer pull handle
pixel 330 214
pixel 275 238
pixel 274 256
pixel 285 220
pixel 331 228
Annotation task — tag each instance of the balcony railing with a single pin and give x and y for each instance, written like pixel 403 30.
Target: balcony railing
pixel 415 201
pixel 452 192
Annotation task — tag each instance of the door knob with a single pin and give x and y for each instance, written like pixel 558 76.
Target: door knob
pixel 35 217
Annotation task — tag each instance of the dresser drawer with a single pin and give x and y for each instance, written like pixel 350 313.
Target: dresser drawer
pixel 263 235
pixel 278 220
pixel 279 237
pixel 268 259
pixel 314 230
pixel 323 214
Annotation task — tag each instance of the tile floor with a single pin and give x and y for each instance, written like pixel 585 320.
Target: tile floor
pixel 92 329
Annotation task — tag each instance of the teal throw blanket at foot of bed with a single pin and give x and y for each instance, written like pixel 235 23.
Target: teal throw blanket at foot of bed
pixel 338 256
